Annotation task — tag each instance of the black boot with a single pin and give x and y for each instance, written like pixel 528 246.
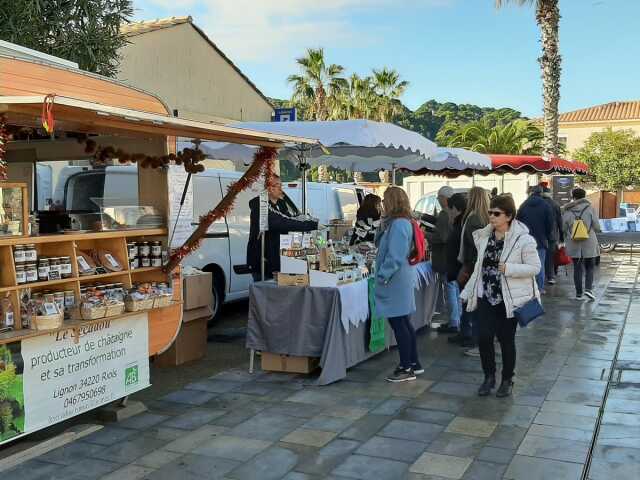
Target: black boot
pixel 505 389
pixel 486 387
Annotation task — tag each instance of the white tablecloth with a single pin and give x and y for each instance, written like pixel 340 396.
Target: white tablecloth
pixel 354 303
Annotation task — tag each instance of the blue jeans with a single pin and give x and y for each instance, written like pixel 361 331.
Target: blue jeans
pixel 406 338
pixel 454 303
pixel 542 254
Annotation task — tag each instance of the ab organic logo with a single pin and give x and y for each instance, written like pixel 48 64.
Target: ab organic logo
pixel 131 376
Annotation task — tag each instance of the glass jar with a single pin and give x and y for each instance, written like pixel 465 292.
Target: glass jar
pixel 18 255
pixel 133 249
pixel 54 265
pixel 118 292
pixel 133 263
pixel 58 297
pixel 48 298
pixel 31 272
pixel 65 267
pixel 21 275
pixel 145 262
pixel 30 253
pixel 156 248
pixel 69 299
pixel 43 269
pixel 156 261
pixel 143 249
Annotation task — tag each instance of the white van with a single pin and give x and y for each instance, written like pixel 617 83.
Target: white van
pixel 328 201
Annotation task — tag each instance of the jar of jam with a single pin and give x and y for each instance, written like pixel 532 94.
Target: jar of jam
pixel 145 262
pixel 43 269
pixel 143 249
pixel 31 272
pixel 30 253
pixel 58 298
pixel 18 255
pixel 69 299
pixel 54 265
pixel 21 274
pixel 65 267
pixel 133 249
pixel 156 261
pixel 156 248
pixel 134 263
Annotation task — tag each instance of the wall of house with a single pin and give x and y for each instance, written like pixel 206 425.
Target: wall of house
pixel 179 65
pixel 577 134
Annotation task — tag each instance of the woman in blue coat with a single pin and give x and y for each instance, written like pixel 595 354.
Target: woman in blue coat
pixel 396 281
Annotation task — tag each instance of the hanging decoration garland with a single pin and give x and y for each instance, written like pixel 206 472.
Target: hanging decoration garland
pixel 4 139
pixel 263 164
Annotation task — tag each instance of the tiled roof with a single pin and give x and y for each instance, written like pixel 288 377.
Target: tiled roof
pixel 146 26
pixel 607 112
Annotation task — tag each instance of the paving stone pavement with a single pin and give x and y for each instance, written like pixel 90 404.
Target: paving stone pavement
pixel 277 426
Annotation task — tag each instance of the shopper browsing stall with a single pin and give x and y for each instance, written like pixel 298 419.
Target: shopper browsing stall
pixel 367 220
pixel 502 281
pixel 457 207
pixel 283 218
pixel 396 280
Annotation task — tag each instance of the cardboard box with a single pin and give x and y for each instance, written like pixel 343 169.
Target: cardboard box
pixel 293 265
pixel 275 362
pixel 322 279
pixel 191 342
pixel 197 290
pixel 292 280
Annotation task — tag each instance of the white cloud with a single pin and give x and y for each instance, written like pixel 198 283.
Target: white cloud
pixel 268 30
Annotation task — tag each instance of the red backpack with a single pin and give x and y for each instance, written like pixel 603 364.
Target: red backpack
pixel 419 245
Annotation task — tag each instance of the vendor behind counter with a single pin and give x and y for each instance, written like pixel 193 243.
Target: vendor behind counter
pixel 284 217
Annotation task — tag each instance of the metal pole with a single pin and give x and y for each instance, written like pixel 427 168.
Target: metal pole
pixel 393 174
pixel 303 167
pixel 262 259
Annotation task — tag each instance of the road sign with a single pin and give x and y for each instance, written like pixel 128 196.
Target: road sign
pixel 562 187
pixel 284 115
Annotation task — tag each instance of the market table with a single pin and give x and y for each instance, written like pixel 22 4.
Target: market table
pixel 311 321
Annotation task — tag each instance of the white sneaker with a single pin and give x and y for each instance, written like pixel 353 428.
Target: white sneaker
pixel 472 352
pixel 551 281
pixel 579 297
pixel 589 294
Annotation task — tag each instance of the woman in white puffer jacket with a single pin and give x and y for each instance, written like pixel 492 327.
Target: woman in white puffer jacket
pixel 503 279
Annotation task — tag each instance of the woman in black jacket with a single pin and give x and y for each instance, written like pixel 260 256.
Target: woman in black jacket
pixel 367 220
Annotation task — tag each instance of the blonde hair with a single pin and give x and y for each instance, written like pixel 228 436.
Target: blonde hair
pixel 478 203
pixel 396 203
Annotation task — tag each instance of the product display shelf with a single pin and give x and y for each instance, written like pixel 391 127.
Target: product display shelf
pixel 68 245
pixel 75 325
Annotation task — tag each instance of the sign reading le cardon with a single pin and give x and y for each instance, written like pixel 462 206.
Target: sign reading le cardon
pixel 50 378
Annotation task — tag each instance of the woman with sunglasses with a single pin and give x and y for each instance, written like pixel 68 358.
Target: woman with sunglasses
pixel 502 280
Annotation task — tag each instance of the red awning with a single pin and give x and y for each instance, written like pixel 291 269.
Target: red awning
pixel 535 164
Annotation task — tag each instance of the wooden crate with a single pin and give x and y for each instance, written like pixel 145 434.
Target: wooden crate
pixel 292 279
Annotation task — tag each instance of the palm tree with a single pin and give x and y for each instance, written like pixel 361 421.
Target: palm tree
pixel 519 137
pixel 318 86
pixel 389 87
pixel 357 100
pixel 548 18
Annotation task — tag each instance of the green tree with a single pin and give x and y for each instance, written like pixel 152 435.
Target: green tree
pixel 518 137
pixel 83 31
pixel 317 88
pixel 548 19
pixel 613 157
pixel 357 99
pixel 389 87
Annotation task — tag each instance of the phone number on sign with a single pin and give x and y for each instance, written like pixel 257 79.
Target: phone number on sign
pixel 85 395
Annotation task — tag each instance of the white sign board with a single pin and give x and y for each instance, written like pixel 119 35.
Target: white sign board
pixel 65 373
pixel 177 178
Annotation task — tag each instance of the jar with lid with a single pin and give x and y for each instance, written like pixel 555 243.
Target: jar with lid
pixel 145 261
pixel 31 272
pixel 54 265
pixel 21 274
pixel 156 248
pixel 156 260
pixel 18 255
pixel 69 298
pixel 7 318
pixel 143 249
pixel 43 269
pixel 65 267
pixel 48 298
pixel 134 263
pixel 132 247
pixel 30 253
pixel 118 292
pixel 58 297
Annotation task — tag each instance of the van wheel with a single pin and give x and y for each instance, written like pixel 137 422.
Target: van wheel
pixel 218 297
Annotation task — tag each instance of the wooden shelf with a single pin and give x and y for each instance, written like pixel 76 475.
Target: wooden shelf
pixel 103 275
pixel 151 232
pixel 145 269
pixel 17 335
pixel 38 284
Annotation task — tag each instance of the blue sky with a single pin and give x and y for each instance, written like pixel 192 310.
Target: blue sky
pixel 463 51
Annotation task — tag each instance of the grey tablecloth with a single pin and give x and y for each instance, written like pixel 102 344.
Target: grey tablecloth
pixel 619 237
pixel 305 321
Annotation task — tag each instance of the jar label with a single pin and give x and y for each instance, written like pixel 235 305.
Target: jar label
pixel 32 275
pixel 30 255
pixel 19 256
pixel 82 263
pixel 65 269
pixel 111 260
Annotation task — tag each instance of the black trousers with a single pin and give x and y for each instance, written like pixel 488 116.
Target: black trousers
pixel 583 267
pixel 493 322
pixel 406 338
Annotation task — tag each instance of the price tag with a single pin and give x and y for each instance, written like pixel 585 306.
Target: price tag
pixel 54 274
pixel 50 309
pixel 264 211
pixel 84 266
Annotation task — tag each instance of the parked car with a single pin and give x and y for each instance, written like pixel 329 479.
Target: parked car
pixel 428 207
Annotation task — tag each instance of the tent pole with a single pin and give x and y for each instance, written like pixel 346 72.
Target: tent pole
pixel 393 174
pixel 303 167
